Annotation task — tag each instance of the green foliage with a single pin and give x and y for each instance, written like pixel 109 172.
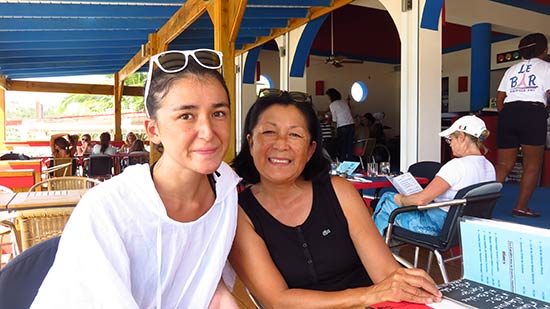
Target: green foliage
pixel 85 104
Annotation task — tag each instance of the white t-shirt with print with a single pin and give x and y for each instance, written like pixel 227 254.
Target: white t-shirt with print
pixel 526 81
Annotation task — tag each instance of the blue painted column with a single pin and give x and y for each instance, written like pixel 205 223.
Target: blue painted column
pixel 481 66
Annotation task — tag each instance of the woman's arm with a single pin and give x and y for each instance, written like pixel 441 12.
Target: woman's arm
pixel 500 100
pixel 392 282
pixel 434 189
pixel 223 299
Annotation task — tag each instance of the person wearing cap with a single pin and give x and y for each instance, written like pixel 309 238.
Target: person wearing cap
pixel 521 102
pixel 465 137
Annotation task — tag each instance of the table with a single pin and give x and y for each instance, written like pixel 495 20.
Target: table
pixel 45 199
pixel 5 199
pixel 379 182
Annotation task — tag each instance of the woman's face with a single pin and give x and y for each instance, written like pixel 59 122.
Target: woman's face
pixel 280 144
pixel 193 124
pixel 458 144
pixel 131 138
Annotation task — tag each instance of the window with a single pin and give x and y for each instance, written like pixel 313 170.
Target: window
pixel 264 82
pixel 359 91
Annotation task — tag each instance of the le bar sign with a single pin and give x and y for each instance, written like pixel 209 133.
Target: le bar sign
pixel 508 56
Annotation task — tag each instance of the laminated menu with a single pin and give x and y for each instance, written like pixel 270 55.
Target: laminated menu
pixel 508 256
pixel 405 183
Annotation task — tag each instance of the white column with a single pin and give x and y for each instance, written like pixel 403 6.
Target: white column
pixel 420 84
pixel 296 83
pixel 284 60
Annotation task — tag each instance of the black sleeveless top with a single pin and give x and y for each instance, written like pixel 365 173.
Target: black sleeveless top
pixel 317 255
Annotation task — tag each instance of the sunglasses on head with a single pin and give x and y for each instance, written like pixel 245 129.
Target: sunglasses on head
pixel 174 61
pixel 296 96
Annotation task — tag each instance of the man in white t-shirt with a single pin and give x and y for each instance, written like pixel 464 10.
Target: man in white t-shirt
pixel 345 125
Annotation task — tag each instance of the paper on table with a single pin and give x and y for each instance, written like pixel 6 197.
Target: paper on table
pixel 447 304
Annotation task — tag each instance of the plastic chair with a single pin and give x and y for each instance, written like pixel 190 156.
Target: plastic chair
pixel 21 278
pixel 65 183
pixel 483 195
pixel 364 148
pixel 100 166
pixel 425 169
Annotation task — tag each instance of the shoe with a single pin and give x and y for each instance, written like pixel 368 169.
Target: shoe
pixel 520 213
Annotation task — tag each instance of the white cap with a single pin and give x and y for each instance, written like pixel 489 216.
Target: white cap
pixel 468 124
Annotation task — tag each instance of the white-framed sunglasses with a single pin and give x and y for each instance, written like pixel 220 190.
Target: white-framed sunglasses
pixel 174 61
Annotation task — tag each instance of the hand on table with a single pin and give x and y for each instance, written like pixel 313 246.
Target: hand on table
pixel 411 285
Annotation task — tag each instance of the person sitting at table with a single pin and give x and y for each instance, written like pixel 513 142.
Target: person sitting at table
pixel 138 154
pixel 158 236
pixel 465 137
pixel 86 145
pixel 104 146
pixel 294 217
pixel 130 140
pixel 60 146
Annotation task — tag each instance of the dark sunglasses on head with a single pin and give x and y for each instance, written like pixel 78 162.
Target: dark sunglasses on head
pixel 174 61
pixel 296 96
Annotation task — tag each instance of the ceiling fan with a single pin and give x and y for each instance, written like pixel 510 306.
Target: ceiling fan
pixel 336 61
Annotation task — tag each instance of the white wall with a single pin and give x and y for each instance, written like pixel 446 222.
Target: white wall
pixel 381 80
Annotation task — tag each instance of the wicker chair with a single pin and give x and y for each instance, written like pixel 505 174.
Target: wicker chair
pixel 36 225
pixel 5 227
pixel 65 183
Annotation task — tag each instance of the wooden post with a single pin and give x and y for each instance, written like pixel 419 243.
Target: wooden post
pixel 117 89
pixel 226 17
pixel 3 87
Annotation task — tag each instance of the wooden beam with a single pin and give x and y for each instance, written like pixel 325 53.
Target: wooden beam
pixel 181 20
pixel 221 15
pixel 314 12
pixel 19 85
pixel 237 10
pixel 3 82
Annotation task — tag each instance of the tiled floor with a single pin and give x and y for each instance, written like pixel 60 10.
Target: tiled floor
pixel 454 271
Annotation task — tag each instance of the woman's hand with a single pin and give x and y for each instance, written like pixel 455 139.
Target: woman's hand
pixel 397 199
pixel 411 285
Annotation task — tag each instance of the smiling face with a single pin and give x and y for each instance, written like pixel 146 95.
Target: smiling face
pixel 193 124
pixel 280 144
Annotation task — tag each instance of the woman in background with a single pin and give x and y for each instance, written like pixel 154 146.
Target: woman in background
pixel 104 146
pixel 521 102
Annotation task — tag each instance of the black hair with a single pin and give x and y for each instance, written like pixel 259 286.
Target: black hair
pixel 243 163
pixel 333 94
pixel 161 83
pixel 532 45
pixel 104 140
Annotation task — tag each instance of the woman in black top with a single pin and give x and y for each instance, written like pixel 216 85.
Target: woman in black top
pixel 302 233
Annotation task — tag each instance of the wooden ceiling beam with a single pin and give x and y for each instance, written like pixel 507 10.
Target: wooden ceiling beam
pixel 238 12
pixel 181 20
pixel 294 23
pixel 19 85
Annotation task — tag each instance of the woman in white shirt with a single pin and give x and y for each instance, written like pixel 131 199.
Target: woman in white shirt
pixel 159 236
pixel 465 137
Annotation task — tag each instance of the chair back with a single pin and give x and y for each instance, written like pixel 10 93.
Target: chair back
pixel 425 169
pixel 100 166
pixel 21 278
pixel 65 183
pixel 37 225
pixel 364 147
pixel 480 198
